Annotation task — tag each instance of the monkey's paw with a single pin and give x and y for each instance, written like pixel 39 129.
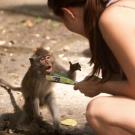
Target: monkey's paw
pixel 75 66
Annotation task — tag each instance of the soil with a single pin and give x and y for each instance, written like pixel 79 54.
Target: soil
pixel 24 26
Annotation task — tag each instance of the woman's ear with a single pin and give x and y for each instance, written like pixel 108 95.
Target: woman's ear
pixel 69 12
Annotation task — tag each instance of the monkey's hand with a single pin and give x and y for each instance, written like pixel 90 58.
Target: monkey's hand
pixel 75 66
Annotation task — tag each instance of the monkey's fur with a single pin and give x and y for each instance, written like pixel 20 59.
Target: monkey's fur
pixel 36 90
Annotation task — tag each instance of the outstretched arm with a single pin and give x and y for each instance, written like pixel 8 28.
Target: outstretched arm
pixel 71 73
pixel 72 70
pixel 119 34
pixel 92 88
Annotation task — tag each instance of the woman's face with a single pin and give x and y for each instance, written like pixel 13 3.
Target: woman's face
pixel 73 20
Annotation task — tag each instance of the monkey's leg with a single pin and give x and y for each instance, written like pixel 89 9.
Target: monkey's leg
pixel 25 117
pixel 31 108
pixel 30 114
pixel 50 101
pixel 28 109
pixel 36 109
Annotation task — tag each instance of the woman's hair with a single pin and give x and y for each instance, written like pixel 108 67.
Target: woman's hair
pixel 101 56
pixel 57 5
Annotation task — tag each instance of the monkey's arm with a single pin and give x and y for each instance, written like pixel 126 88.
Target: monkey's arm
pixel 72 70
pixel 8 86
pixel 71 73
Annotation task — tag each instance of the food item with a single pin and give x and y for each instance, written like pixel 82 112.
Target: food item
pixel 56 77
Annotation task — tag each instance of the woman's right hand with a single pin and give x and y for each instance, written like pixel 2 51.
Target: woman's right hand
pixel 89 87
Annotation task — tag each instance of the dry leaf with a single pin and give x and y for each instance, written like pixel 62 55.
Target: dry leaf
pixel 69 122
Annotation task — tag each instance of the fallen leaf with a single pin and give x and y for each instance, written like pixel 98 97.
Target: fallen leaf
pixel 69 122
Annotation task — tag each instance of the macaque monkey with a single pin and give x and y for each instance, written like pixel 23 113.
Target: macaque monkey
pixel 36 90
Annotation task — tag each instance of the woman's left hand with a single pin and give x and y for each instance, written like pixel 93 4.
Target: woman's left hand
pixel 89 87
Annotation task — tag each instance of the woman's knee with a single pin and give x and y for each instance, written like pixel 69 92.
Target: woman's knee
pixel 97 109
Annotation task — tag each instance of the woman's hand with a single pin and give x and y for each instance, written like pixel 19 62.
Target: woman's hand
pixel 89 87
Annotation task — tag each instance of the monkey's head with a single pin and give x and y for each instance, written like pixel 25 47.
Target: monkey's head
pixel 42 60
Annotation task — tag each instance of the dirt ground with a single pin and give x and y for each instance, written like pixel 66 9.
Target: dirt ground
pixel 25 25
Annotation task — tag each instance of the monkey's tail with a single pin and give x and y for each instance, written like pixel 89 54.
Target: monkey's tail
pixel 7 86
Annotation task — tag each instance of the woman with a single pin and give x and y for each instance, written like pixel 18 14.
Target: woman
pixel 109 25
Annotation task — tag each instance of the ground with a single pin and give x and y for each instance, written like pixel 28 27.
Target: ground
pixel 25 25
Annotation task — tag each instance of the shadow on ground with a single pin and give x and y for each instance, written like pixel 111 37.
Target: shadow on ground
pixel 32 10
pixel 8 125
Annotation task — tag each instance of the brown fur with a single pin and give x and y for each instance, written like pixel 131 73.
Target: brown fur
pixel 36 90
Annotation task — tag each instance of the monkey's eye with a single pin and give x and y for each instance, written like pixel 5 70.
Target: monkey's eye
pixel 47 57
pixel 42 58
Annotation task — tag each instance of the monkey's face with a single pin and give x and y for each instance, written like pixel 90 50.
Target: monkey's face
pixel 43 63
pixel 47 62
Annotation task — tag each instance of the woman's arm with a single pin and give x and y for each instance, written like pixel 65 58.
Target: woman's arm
pixel 118 29
pixel 121 88
pixel 117 26
pixel 92 88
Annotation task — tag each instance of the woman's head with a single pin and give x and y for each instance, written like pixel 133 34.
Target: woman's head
pixel 78 13
pixel 58 5
pixel 71 12
pixel 82 16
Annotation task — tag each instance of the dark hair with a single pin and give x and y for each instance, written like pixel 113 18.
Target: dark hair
pixel 57 5
pixel 101 56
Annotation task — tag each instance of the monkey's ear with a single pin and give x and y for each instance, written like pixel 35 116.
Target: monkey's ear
pixel 34 50
pixel 70 63
pixel 38 47
pixel 31 60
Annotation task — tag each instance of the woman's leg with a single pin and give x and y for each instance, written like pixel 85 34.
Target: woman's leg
pixel 112 115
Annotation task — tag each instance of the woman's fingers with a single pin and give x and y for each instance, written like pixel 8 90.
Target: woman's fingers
pixel 88 87
pixel 81 85
pixel 76 86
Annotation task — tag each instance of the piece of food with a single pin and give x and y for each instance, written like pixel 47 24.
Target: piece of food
pixel 60 79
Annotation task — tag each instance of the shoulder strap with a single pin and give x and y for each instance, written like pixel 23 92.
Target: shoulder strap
pixel 114 1
pixel 111 2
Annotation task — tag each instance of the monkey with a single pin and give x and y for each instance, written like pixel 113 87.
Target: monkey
pixel 36 90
